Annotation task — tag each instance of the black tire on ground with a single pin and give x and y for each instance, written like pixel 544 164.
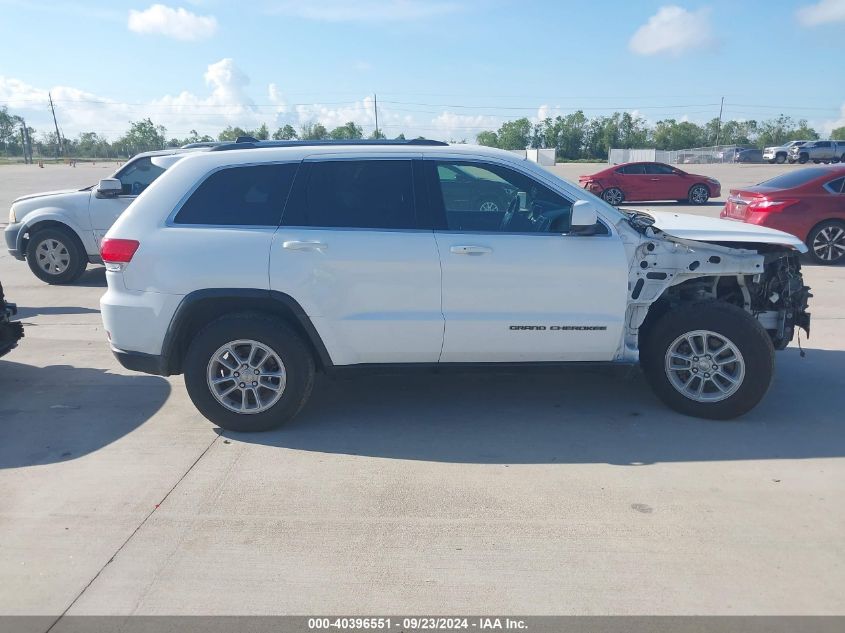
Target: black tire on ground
pixel 831 235
pixel 816 161
pixel 271 332
pixel 780 159
pixel 803 158
pixel 613 195
pixel 69 258
pixel 725 320
pixel 699 194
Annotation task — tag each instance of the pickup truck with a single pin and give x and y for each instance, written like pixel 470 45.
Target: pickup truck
pixel 780 154
pixel 819 152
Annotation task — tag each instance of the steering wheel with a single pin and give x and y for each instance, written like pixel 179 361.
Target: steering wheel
pixel 508 216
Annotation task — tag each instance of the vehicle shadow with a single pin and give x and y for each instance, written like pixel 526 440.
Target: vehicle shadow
pixel 674 204
pixel 580 415
pixel 27 312
pixel 93 277
pixel 58 413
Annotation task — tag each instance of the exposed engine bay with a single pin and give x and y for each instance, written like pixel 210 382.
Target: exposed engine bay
pixel 763 279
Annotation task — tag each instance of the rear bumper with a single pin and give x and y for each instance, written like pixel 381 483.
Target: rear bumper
pixel 12 235
pixel 138 361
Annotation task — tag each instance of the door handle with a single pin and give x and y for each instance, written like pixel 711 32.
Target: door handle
pixel 655 179
pixel 470 250
pixel 304 245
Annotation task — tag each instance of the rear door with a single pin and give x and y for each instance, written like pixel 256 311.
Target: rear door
pixel 527 290
pixel 351 251
pixel 633 181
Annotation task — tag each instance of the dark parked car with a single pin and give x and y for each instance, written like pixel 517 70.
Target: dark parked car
pixel 749 156
pixel 10 331
pixel 467 189
pixel 809 203
pixel 636 182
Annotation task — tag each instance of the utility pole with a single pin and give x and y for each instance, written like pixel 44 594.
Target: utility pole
pixel 719 126
pixel 58 134
pixel 375 107
pixel 27 148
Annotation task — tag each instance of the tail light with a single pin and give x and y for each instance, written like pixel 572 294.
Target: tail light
pixel 766 205
pixel 116 253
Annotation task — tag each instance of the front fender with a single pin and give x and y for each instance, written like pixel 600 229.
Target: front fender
pixel 59 216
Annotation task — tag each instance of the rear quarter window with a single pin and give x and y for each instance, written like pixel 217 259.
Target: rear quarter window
pixel 250 195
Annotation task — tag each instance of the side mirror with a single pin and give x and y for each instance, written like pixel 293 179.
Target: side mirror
pixel 584 215
pixel 109 187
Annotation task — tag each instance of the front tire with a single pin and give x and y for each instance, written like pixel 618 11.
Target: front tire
pixel 708 360
pixel 803 158
pixel 248 372
pixel 826 242
pixel 699 194
pixel 780 159
pixel 613 195
pixel 56 256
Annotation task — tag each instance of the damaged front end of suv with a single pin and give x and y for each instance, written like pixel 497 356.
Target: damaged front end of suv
pixel 10 331
pixel 762 278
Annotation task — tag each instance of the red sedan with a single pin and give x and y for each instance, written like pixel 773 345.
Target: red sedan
pixel 634 182
pixel 809 203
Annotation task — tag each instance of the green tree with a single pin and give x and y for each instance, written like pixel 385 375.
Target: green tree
pixel 487 138
pixel 515 134
pixel 230 133
pixel 376 135
pixel 261 132
pixel 286 133
pixel 838 134
pixel 672 135
pixel 313 132
pixel 143 135
pixel 782 129
pixel 348 132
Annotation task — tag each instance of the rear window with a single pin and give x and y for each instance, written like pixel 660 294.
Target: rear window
pixel 252 195
pixel 795 178
pixel 363 194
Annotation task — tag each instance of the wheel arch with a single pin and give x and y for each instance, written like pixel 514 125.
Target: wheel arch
pixel 45 222
pixel 201 307
pixel 818 224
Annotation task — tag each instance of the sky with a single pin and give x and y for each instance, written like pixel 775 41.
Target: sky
pixel 444 69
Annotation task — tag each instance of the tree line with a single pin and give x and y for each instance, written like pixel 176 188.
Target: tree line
pixel 573 136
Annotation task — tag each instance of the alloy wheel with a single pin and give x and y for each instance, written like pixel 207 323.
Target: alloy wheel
pixel 246 376
pixel 704 366
pixel 829 243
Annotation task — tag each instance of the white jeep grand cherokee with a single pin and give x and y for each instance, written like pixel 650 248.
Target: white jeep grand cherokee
pixel 253 265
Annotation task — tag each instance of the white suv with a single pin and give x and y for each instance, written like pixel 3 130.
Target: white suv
pixel 58 232
pixel 253 265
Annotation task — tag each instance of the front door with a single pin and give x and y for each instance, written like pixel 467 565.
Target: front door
pixel 350 251
pixel 665 183
pixel 528 290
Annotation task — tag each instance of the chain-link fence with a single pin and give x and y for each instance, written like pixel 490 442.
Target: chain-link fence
pixel 691 156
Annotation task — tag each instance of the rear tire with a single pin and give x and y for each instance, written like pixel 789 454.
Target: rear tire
pixel 613 195
pixel 277 364
pixel 680 351
pixel 56 256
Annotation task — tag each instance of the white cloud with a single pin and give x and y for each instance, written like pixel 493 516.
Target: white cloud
pixel 179 24
pixel 822 12
pixel 364 10
pixel 826 127
pixel 674 31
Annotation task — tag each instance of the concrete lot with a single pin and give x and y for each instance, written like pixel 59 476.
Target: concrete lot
pixel 576 493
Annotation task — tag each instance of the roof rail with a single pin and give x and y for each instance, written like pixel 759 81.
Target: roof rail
pixel 247 142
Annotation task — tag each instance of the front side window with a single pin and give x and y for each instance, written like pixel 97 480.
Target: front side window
pixel 658 169
pixel 251 195
pixel 363 194
pixel 488 197
pixel 137 176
